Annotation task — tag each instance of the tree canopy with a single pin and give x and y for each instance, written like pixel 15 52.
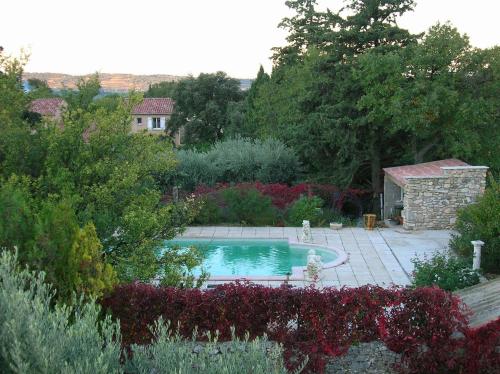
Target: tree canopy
pixel 87 88
pixel 83 201
pixel 202 106
pixel 353 92
pixel 161 89
pixel 39 89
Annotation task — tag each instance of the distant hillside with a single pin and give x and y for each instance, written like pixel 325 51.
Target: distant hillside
pixel 119 83
pixel 109 82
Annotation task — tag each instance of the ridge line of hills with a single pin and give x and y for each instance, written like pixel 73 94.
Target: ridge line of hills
pixel 112 82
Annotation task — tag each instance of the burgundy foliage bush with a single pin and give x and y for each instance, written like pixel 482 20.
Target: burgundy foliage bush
pixel 283 195
pixel 318 323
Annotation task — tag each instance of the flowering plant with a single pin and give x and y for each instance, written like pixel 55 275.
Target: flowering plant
pixel 444 270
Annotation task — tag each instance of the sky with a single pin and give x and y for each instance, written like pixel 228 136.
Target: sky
pixel 181 37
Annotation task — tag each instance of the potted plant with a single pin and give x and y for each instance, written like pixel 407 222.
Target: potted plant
pixel 335 225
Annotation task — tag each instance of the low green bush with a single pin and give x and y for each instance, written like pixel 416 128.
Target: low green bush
pixel 306 208
pixel 444 270
pixel 480 221
pixel 210 213
pixel 248 207
pixel 238 160
pixel 36 338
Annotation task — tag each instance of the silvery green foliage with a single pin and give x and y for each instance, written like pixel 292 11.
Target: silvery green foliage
pixel 239 160
pixel 197 168
pixel 38 338
pixel 170 353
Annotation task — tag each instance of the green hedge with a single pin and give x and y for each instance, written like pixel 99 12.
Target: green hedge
pixel 237 206
pixel 249 207
pixel 238 160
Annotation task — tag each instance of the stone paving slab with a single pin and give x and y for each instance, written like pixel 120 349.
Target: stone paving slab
pixel 381 256
pixel 406 245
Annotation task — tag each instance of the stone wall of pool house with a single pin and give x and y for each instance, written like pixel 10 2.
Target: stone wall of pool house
pixel 432 202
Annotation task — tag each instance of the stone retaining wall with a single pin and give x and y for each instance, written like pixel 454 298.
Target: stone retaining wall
pixel 432 202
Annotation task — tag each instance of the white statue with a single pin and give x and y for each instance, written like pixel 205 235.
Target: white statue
pixel 306 232
pixel 314 266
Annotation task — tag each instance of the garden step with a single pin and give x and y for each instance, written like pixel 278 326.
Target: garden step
pixel 494 288
pixel 484 301
pixel 480 296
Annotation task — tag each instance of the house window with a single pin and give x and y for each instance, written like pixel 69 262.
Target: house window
pixel 139 120
pixel 156 123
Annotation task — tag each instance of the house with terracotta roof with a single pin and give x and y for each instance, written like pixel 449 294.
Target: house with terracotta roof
pixel 152 115
pixel 428 195
pixel 51 108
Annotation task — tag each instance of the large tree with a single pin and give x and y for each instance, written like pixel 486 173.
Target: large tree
pixel 201 106
pixel 316 70
pixel 88 193
pixel 82 97
pixel 161 89
pixel 110 177
pixel 480 109
pixel 353 92
pixel 39 89
pixel 436 96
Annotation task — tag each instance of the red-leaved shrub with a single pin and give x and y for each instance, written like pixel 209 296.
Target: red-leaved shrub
pixel 421 324
pixel 283 195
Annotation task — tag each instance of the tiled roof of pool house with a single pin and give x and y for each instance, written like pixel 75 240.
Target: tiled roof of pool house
pixel 427 169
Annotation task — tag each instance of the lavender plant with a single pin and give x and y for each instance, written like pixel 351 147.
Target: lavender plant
pixel 39 338
pixel 170 353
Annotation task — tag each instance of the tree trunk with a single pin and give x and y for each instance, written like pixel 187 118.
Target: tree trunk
pixel 375 166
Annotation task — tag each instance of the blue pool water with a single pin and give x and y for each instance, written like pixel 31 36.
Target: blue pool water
pixel 247 257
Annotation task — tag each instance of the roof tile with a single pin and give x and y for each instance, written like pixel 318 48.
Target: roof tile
pixel 47 107
pixel 155 105
pixel 427 169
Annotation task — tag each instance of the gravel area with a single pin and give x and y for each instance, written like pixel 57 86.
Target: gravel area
pixel 371 358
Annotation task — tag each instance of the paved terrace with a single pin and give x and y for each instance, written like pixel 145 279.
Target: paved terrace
pixel 381 256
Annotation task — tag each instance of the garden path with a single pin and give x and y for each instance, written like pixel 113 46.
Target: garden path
pixel 381 257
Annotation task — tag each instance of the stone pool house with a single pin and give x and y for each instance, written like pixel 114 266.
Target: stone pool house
pixel 152 115
pixel 428 195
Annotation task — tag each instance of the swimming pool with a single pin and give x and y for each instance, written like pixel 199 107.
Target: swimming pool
pixel 228 258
